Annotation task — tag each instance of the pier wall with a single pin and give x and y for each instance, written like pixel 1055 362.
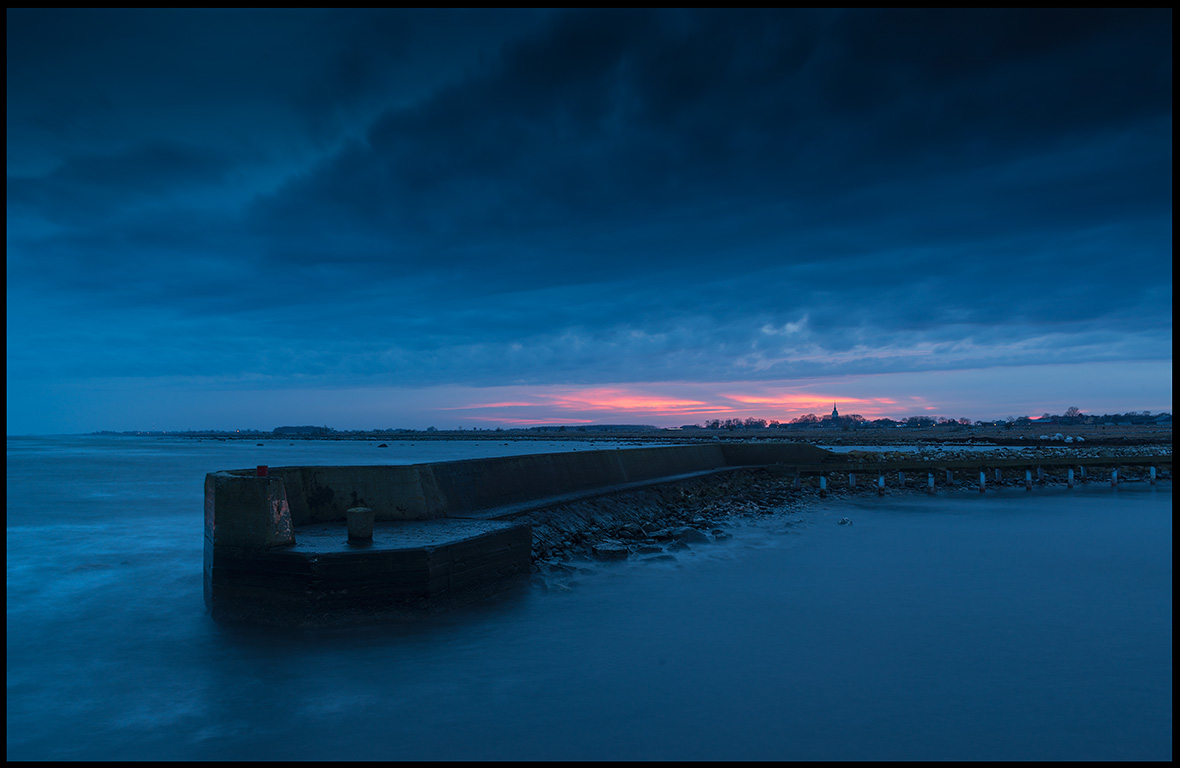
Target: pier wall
pixel 275 548
pixel 454 488
pixel 258 568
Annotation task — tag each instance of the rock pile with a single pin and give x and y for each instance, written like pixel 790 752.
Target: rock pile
pixel 656 521
pixel 659 521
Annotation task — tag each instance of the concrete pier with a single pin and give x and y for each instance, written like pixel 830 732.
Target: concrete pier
pixel 328 545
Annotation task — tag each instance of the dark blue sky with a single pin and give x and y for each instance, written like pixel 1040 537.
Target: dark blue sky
pixel 222 219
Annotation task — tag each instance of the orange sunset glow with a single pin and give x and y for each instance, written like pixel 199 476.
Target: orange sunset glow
pixel 673 404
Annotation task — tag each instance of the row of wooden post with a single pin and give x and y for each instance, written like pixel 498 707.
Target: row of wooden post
pixel 1028 480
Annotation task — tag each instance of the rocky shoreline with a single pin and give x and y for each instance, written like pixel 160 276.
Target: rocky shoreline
pixel 663 521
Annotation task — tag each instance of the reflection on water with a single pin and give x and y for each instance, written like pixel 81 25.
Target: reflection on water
pixel 993 626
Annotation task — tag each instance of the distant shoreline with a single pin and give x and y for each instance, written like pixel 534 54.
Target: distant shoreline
pixel 1016 436
pixel 998 436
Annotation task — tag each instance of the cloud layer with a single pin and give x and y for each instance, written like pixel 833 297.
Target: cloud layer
pixel 333 199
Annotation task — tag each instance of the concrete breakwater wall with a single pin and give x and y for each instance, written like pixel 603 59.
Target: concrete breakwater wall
pixel 280 546
pixel 275 546
pixel 460 488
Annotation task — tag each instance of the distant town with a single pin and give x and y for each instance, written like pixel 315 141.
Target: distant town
pixel 1073 417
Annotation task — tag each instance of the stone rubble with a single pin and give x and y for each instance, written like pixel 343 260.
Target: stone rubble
pixel 657 522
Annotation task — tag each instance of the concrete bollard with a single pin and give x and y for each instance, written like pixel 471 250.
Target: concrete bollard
pixel 823 486
pixel 881 484
pixel 360 525
pixel 982 480
pixel 1028 479
pixel 1114 478
pixel 1069 479
pixel 1152 476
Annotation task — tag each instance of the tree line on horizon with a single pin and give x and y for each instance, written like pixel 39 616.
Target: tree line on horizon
pixel 1072 416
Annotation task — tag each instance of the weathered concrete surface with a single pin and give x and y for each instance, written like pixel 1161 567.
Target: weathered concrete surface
pixel 261 565
pixel 277 550
pixel 455 488
pixel 409 570
pixel 244 516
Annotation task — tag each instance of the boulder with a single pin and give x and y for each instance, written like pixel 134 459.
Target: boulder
pixel 691 536
pixel 611 550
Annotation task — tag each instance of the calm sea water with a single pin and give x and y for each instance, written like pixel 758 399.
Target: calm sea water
pixel 1005 625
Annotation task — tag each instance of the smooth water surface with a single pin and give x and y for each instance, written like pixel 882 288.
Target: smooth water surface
pixel 1004 625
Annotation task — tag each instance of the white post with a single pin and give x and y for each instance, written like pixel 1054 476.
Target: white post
pixel 930 482
pixel 881 484
pixel 823 485
pixel 1153 475
pixel 1028 479
pixel 982 480
pixel 1114 477
pixel 851 481
pixel 1069 481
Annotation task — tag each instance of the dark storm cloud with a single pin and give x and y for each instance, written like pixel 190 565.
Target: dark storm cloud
pixel 589 196
pixel 85 188
pixel 630 122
